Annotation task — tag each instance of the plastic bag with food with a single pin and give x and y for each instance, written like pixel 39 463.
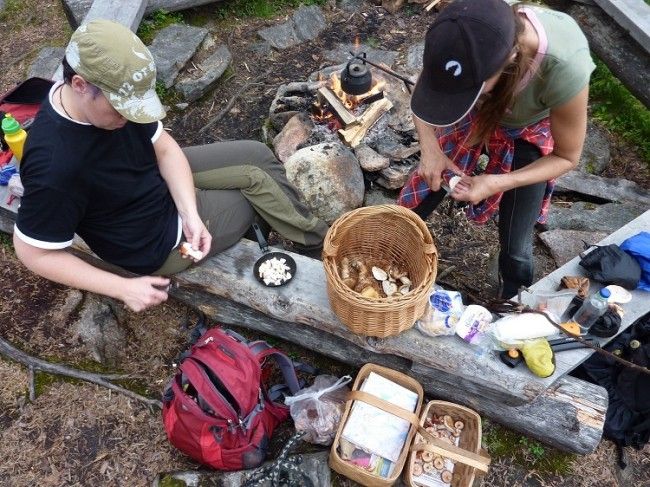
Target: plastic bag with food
pixel 442 313
pixel 317 409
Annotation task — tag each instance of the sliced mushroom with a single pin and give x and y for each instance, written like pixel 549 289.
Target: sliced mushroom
pixel 459 425
pixel 438 463
pixel 417 470
pixel 446 476
pixel 427 456
pixel 428 467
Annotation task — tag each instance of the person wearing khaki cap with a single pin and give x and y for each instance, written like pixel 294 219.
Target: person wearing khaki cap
pixel 99 164
pixel 501 110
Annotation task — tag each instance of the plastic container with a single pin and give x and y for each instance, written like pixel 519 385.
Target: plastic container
pixel 592 309
pixel 15 136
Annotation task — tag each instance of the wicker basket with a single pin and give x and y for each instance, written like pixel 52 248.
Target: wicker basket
pixel 468 451
pixel 358 474
pixel 381 235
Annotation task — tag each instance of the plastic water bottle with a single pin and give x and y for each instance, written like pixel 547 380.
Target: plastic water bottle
pixel 591 310
pixel 14 135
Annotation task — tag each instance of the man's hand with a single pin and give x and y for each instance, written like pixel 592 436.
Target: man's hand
pixel 141 293
pixel 196 233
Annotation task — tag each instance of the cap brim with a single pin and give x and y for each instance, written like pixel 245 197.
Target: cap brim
pixel 442 109
pixel 139 109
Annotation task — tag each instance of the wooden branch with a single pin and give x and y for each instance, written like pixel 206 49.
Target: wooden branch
pixel 339 110
pixel 232 101
pixel 35 364
pixel 354 135
pixel 431 5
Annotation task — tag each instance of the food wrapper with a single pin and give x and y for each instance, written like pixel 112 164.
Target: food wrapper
pixel 442 313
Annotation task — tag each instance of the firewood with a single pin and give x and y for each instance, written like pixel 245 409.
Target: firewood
pixel 354 135
pixel 344 115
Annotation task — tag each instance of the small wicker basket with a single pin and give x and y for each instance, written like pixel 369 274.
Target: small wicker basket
pixel 381 235
pixel 359 474
pixel 467 453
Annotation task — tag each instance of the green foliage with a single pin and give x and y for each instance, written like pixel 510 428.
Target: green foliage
pixel 372 42
pixel 503 443
pixel 616 108
pixel 259 8
pixel 12 7
pixel 156 21
pixel 6 241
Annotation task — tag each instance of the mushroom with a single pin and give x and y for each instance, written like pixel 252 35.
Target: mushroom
pixel 417 470
pixel 446 476
pixel 427 456
pixel 438 463
pixel 459 425
pixel 428 467
pixel 370 292
pixel 389 288
pixel 379 273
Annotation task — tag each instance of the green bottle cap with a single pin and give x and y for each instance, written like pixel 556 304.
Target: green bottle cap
pixel 10 125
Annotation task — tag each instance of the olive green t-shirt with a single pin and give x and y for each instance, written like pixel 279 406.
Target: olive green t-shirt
pixel 563 72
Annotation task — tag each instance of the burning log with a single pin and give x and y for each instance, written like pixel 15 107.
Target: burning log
pixel 344 115
pixel 354 135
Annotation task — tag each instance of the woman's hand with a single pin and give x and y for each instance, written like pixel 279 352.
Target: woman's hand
pixel 433 165
pixel 196 233
pixel 477 188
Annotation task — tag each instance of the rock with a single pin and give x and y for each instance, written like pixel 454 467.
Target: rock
pixel 173 47
pixel 566 244
pixel 380 196
pixel 414 57
pixel 593 218
pixel 295 132
pixel 370 160
pixel 378 56
pixel 174 5
pixel 609 189
pixel 395 176
pixel 313 464
pixel 596 152
pixel 211 68
pixel 126 13
pixel 46 63
pixel 308 22
pixel 394 150
pixel 100 331
pixel 76 10
pixel 280 36
pixel 351 5
pixel 74 298
pixel 329 178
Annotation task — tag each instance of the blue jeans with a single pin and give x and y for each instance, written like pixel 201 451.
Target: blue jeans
pixel 518 212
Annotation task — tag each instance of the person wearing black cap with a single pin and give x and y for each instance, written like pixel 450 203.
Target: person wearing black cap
pixel 501 110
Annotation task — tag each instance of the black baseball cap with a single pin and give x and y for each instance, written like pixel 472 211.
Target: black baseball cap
pixel 466 44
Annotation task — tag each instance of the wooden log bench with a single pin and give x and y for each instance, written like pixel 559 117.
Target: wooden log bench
pixel 561 410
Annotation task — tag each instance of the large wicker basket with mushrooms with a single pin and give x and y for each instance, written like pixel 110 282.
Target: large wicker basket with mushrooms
pixel 380 263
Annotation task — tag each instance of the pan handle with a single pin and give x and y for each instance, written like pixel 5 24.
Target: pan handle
pixel 260 238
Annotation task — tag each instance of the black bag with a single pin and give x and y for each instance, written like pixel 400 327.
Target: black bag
pixel 627 422
pixel 610 265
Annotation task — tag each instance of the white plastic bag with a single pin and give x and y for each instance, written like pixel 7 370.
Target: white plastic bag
pixel 442 313
pixel 317 409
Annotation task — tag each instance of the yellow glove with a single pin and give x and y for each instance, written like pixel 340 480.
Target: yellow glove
pixel 539 357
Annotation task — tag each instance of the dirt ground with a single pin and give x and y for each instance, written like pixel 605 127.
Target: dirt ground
pixel 78 434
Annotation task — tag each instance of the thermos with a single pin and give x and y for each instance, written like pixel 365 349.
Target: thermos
pixel 15 136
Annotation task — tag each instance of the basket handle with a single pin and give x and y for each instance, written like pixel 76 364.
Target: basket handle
pixel 433 444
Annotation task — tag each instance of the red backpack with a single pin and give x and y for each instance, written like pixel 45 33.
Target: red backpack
pixel 217 409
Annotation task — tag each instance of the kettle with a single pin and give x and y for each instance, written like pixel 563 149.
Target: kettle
pixel 356 78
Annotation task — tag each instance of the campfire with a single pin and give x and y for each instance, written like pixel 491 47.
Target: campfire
pixel 350 115
pixel 369 116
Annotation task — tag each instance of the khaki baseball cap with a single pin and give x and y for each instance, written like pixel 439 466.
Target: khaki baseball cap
pixel 114 59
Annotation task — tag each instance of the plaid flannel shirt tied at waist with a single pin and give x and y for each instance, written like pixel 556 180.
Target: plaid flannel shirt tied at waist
pixel 500 150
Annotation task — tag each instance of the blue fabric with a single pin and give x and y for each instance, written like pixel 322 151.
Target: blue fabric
pixel 638 247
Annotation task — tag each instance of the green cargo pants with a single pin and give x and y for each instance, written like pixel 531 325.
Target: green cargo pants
pixel 237 181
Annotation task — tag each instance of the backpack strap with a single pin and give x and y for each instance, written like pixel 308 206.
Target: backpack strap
pixel 263 350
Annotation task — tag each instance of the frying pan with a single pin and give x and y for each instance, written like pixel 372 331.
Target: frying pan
pixel 264 246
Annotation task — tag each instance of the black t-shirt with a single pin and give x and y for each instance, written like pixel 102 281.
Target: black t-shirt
pixel 104 185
